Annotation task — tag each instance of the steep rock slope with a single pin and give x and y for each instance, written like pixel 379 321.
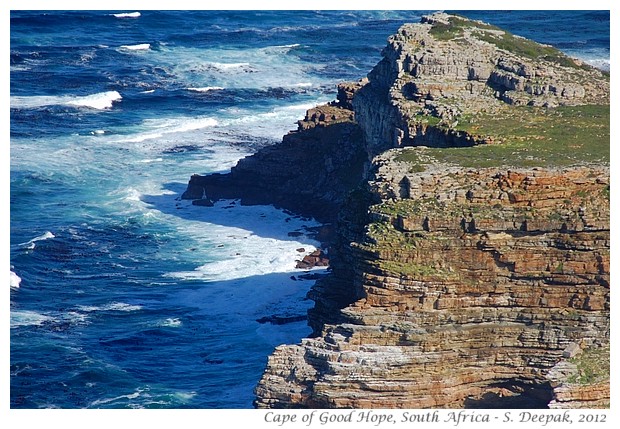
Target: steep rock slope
pixel 310 172
pixel 470 268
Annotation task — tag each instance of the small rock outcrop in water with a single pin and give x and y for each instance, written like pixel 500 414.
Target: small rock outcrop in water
pixel 470 271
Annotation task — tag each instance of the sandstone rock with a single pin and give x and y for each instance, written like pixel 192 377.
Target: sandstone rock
pixel 450 286
pixel 315 259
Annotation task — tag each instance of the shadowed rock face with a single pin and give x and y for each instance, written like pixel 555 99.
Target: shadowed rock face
pixel 310 172
pixel 451 286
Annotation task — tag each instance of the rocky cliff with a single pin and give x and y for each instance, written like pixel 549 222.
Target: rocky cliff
pixel 473 287
pixel 470 268
pixel 310 172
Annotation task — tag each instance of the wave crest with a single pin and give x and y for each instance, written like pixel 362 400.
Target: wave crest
pixel 15 280
pixel 138 47
pixel 127 15
pixel 206 89
pixel 98 101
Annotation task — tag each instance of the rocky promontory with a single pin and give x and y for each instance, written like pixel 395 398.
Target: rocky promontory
pixel 467 179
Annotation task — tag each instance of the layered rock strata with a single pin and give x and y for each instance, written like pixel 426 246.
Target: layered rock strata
pixel 473 287
pixel 447 67
pixel 454 286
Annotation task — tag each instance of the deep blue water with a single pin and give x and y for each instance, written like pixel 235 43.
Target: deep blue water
pixel 123 296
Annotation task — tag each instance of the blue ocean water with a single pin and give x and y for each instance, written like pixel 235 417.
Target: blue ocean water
pixel 121 294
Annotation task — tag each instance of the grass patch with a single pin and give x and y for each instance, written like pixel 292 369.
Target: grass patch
pixel 533 137
pixel 411 157
pixel 454 28
pixel 530 49
pixel 505 40
pixel 592 366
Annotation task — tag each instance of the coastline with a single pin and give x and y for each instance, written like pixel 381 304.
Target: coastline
pixel 384 299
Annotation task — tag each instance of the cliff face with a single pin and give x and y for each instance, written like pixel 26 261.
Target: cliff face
pixel 474 285
pixel 471 267
pixel 460 285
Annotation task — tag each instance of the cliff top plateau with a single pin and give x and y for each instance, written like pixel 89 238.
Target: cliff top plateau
pixel 481 85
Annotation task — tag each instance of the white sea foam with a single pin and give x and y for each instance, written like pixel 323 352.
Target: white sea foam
pixel 133 195
pixel 100 101
pixel 159 127
pixel 184 396
pixel 114 306
pixel 127 15
pixel 261 246
pixel 30 244
pixel 268 67
pixel 138 47
pixel 98 132
pixel 171 322
pixel 134 395
pixel 272 124
pixel 15 280
pixel 27 318
pixel 230 66
pixel 600 63
pixel 206 89
pixel 148 91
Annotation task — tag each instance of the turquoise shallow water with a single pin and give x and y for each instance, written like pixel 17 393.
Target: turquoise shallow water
pixel 123 296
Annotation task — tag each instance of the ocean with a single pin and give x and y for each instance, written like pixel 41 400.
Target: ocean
pixel 122 295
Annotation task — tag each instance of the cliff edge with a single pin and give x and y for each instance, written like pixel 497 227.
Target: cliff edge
pixel 470 265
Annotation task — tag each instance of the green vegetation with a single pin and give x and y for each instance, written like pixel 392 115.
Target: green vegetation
pixel 607 192
pixel 529 49
pixel 405 207
pixel 503 40
pixel 592 366
pixel 454 28
pixel 530 137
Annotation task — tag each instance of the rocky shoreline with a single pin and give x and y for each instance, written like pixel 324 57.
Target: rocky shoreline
pixel 451 285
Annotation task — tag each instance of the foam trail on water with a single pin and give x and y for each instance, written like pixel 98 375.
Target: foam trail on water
pixel 138 47
pixel 127 15
pixel 99 101
pixel 158 128
pixel 171 322
pixel 114 306
pixel 27 318
pixel 30 244
pixel 230 66
pixel 206 89
pixel 116 398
